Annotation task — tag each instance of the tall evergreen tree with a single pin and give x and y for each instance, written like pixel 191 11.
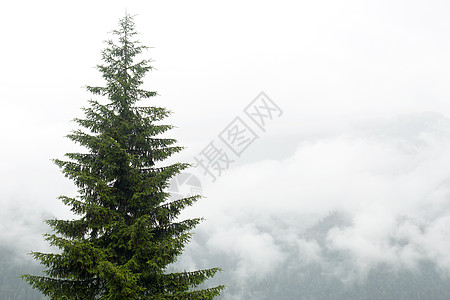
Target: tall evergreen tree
pixel 127 232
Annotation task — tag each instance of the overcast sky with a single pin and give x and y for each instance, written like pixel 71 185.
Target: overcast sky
pixel 363 87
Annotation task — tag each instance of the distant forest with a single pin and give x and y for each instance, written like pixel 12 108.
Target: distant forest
pixel 11 266
pixel 314 281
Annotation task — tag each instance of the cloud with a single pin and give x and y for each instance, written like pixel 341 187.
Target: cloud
pixel 256 251
pixel 389 178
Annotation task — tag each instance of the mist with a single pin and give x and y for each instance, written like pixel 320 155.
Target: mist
pixel 382 187
pixel 344 194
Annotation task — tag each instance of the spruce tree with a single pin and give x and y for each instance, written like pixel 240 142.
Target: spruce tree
pixel 127 231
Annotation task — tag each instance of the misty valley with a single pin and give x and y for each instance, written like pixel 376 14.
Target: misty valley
pixel 291 280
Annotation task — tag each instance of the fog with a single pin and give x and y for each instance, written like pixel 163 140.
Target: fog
pixel 363 137
pixel 387 178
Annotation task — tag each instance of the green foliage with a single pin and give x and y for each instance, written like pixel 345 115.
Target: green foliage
pixel 128 232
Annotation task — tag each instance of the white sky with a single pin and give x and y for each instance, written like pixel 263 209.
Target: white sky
pixel 327 64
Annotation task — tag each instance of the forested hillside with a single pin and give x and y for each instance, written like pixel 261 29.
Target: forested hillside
pixel 12 264
pixel 332 277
